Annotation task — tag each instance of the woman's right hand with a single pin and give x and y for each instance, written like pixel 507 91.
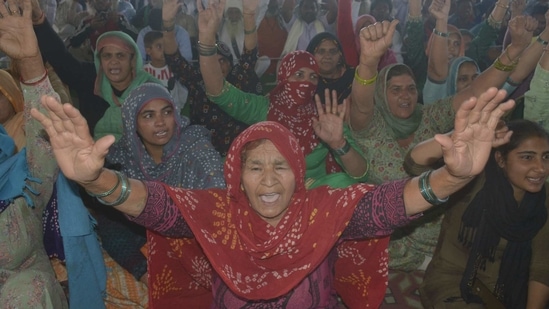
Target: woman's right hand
pixel 78 156
pixel 375 40
pixel 18 40
pixel 209 18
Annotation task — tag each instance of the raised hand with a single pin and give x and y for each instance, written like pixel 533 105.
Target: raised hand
pixel 440 9
pixel 329 124
pixel 209 18
pixel 467 149
pixel 17 39
pixel 517 7
pixel 375 40
pixel 170 9
pixel 78 156
pixel 521 29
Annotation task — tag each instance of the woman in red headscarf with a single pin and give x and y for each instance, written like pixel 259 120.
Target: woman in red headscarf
pixel 270 240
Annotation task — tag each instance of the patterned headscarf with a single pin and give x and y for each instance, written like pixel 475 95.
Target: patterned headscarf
pixel 401 128
pixel 256 260
pixel 179 166
pixel 292 103
pixel 111 122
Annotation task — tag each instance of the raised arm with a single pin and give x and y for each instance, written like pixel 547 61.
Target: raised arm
pixel 329 128
pixel 208 22
pixel 536 99
pixel 465 152
pixel 531 56
pixel 521 29
pixel 374 42
pixel 437 68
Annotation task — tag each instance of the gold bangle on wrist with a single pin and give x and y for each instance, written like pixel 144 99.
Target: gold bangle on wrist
pixel 498 65
pixel 365 82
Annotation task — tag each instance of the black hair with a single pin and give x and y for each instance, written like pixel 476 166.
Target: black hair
pixel 150 37
pixel 522 130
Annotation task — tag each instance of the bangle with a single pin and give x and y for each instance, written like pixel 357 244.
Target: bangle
pixel 364 82
pixel 498 65
pixel 441 34
pixel 426 190
pixel 250 31
pixel 206 50
pixel 542 41
pixel 111 190
pixel 124 193
pixel 35 81
pixel 343 150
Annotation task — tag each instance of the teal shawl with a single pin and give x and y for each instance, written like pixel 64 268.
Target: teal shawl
pixel 401 128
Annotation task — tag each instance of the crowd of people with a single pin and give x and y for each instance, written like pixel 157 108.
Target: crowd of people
pixel 273 154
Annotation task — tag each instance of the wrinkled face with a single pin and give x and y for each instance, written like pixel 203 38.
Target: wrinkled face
pixel 454 45
pixel 467 73
pixel 233 15
pixel 401 96
pixel 526 166
pixel 268 182
pixel 6 109
pixel 117 64
pixel 308 11
pixel 381 12
pixel 156 124
pixel 328 57
pixel 156 51
pixel 304 74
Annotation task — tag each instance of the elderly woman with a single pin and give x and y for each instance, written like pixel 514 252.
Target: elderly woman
pixel 387 129
pixel 269 239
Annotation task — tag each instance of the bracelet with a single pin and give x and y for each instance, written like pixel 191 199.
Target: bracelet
pixel 542 41
pixel 498 65
pixel 124 193
pixel 426 190
pixel 250 31
pixel 441 34
pixel 111 190
pixel 364 82
pixel 36 80
pixel 206 50
pixel 343 150
pixel 492 22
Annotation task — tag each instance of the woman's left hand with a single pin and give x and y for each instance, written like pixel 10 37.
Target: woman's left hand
pixel 329 125
pixel 467 149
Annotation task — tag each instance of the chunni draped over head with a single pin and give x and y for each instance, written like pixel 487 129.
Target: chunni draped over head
pixel 111 122
pixel 451 81
pixel 401 128
pixel 249 254
pixel 291 103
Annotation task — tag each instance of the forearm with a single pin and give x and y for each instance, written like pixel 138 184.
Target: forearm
pixel 529 59
pixel 209 64
pixel 494 76
pixel 538 295
pixel 250 30
pixel 354 163
pixel 437 68
pixel 443 184
pixel 427 152
pixel 133 205
pixel 170 42
pixel 362 96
